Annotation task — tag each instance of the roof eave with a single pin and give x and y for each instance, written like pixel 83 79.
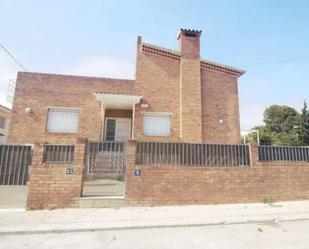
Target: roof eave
pixel 221 67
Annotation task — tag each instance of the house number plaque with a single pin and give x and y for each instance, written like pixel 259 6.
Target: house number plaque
pixel 69 171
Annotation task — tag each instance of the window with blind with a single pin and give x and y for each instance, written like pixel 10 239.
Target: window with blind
pixel 62 120
pixel 157 124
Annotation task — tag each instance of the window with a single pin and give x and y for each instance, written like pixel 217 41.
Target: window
pixel 54 153
pixel 117 129
pixel 62 120
pixel 110 129
pixel 2 122
pixel 157 124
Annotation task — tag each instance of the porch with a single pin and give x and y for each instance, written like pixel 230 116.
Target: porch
pixel 117 116
pixel 105 161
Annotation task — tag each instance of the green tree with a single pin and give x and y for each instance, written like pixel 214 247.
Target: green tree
pixel 279 118
pixel 285 138
pixel 281 125
pixel 303 129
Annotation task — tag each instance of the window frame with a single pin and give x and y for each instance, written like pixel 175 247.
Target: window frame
pixel 116 121
pixel 157 114
pixel 77 110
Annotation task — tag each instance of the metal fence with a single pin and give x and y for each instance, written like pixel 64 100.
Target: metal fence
pixel 106 158
pixel 58 153
pixel 157 153
pixel 14 164
pixel 284 153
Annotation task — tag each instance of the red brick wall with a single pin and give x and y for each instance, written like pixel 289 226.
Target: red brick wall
pixel 40 91
pixel 196 185
pixel 157 80
pixel 49 185
pixel 220 101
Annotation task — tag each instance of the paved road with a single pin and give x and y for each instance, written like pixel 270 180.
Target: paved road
pixel 292 234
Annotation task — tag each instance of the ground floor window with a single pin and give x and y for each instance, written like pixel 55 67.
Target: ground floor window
pixel 63 120
pixel 157 124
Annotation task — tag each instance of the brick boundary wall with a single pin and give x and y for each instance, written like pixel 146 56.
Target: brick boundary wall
pixel 164 185
pixel 49 185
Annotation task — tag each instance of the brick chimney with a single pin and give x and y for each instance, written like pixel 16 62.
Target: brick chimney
pixel 190 86
pixel 189 43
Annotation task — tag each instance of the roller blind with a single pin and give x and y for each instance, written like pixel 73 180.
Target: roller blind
pixel 62 120
pixel 157 124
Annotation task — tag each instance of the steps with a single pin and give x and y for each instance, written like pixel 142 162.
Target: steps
pixel 101 202
pixel 103 187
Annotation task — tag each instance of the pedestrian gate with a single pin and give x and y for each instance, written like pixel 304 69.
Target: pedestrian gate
pixel 106 159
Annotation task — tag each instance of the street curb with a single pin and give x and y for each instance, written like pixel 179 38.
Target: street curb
pixel 102 229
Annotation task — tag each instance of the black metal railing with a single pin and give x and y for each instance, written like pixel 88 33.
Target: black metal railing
pixel 58 153
pixel 158 153
pixel 284 153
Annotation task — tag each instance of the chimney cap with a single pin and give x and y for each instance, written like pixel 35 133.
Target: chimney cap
pixel 189 32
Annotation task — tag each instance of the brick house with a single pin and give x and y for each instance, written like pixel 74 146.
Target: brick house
pixel 176 99
pixel 176 96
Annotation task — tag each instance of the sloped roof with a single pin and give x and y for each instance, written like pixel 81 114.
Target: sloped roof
pixel 174 54
pixel 4 108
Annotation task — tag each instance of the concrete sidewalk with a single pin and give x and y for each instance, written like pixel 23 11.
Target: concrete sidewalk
pixel 18 221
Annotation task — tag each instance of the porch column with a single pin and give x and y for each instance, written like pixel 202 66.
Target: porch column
pixel 133 120
pixel 103 118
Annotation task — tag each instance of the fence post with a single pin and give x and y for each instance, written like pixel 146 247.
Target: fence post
pixel 130 165
pixel 80 151
pixel 254 153
pixel 33 201
pixel 37 157
pixel 79 160
pixel 131 154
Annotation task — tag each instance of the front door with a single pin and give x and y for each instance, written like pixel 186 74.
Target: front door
pixel 117 129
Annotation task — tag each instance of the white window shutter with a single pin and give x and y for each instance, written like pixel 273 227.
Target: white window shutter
pixel 62 120
pixel 157 124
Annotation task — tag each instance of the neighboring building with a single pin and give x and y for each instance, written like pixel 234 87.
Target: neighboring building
pixel 176 96
pixel 5 116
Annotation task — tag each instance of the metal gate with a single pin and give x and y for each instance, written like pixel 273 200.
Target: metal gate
pixel 14 164
pixel 106 159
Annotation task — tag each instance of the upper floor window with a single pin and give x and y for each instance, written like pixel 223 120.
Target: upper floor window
pixel 2 122
pixel 157 124
pixel 64 120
